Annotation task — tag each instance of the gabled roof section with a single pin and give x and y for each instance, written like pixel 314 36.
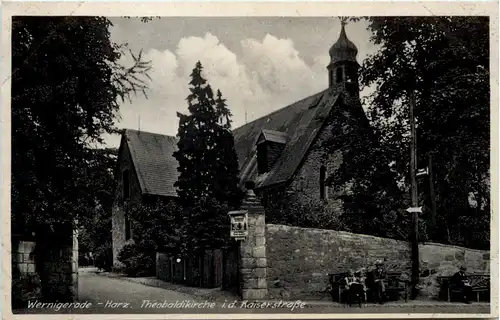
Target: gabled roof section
pixel 273 136
pixel 155 165
pixel 296 125
pixel 300 121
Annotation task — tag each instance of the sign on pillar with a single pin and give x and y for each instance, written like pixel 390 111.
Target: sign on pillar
pixel 239 224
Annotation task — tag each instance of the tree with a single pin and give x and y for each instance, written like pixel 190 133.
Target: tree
pixel 95 232
pixel 371 199
pixel 208 166
pixel 197 154
pixel 444 61
pixel 227 180
pixel 66 85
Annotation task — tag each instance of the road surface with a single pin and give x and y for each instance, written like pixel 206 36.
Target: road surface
pixel 99 294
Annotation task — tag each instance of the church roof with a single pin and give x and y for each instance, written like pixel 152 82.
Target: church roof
pixel 153 160
pixel 298 123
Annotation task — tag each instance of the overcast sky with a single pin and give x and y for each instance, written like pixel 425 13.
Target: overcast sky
pixel 259 64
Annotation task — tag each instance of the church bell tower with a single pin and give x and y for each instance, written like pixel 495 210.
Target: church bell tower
pixel 343 67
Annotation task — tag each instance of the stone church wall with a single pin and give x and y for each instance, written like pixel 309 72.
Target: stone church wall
pixel 306 183
pixel 119 205
pixel 299 259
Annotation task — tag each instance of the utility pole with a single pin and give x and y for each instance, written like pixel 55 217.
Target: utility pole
pixel 414 196
pixel 433 197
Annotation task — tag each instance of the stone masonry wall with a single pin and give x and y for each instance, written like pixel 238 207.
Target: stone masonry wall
pixel 25 280
pixel 60 271
pixel 61 268
pixel 299 259
pixel 119 205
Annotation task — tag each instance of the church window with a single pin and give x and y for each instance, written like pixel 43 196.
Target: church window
pixel 322 182
pixel 262 164
pixel 126 184
pixel 340 75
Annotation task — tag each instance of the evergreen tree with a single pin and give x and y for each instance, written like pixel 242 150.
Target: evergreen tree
pixel 227 189
pixel 197 144
pixel 222 112
pixel 208 167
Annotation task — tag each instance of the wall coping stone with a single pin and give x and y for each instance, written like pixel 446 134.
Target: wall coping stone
pixel 366 236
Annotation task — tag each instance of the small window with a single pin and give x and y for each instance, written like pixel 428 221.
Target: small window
pixel 340 75
pixel 127 228
pixel 126 185
pixel 262 164
pixel 322 182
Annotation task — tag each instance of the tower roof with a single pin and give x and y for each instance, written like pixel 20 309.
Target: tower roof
pixel 344 49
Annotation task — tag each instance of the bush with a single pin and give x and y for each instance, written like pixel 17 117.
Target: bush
pixel 136 262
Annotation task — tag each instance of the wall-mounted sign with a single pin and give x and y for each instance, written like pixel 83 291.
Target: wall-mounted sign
pixel 239 224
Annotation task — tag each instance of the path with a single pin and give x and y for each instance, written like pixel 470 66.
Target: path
pixel 106 295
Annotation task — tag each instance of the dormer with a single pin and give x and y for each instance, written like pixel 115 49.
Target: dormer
pixel 270 144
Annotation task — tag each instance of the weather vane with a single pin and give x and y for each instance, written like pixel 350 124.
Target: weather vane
pixel 343 21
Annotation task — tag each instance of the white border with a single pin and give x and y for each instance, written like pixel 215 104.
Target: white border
pixel 220 9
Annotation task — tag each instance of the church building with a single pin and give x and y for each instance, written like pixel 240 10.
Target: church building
pixel 282 152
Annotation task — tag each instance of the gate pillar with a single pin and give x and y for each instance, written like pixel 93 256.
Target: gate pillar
pixel 253 261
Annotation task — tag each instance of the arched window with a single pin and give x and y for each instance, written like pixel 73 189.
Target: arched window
pixel 322 182
pixel 340 74
pixel 126 184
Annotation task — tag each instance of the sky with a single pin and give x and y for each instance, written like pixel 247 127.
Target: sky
pixel 259 64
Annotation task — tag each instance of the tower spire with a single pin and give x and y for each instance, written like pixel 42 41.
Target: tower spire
pixel 343 67
pixel 343 21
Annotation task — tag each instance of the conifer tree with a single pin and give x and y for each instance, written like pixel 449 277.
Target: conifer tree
pixel 227 189
pixel 208 167
pixel 196 154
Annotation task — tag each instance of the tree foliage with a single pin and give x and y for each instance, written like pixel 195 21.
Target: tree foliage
pixel 157 227
pixel 445 62
pixel 67 82
pixel 95 232
pixel 208 165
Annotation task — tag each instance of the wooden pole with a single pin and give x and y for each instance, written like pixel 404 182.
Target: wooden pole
pixel 433 198
pixel 414 196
